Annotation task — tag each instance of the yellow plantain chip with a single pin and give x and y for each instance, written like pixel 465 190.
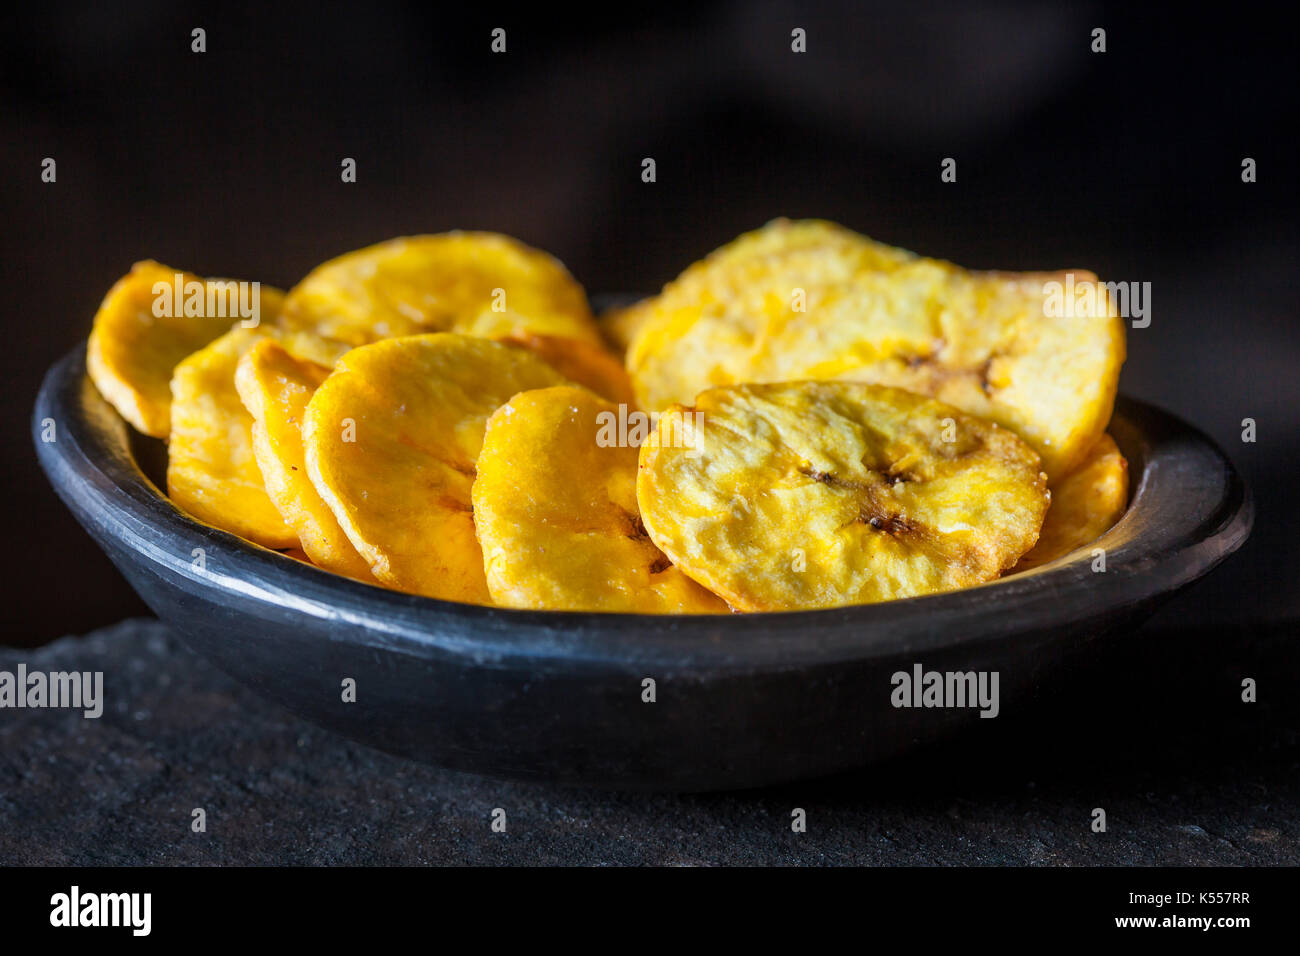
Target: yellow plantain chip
pixel 211 469
pixel 475 283
pixel 582 362
pixel 556 511
pixel 308 346
pixel 816 301
pixel 620 325
pixel 153 317
pixel 275 388
pixel 1085 504
pixel 392 437
pixel 810 246
pixel 820 494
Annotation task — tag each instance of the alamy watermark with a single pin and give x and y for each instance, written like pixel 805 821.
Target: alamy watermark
pixel 922 688
pixel 78 690
pixel 75 908
pixel 1088 298
pixel 630 428
pixel 215 298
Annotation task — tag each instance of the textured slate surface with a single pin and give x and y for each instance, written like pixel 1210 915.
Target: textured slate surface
pixel 1158 737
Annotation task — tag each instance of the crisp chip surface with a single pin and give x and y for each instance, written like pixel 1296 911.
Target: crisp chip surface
pixel 475 283
pixel 211 469
pixel 814 301
pixel 1085 504
pixel 820 494
pixel 557 515
pixel 132 352
pixel 582 362
pixel 392 438
pixel 275 388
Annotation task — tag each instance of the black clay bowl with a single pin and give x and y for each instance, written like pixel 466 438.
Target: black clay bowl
pixel 740 700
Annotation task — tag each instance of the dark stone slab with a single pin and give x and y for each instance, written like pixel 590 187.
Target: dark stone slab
pixel 1158 737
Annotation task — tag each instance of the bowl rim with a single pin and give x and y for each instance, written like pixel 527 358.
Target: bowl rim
pixel 1188 500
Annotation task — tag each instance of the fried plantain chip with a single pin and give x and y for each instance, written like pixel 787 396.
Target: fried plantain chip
pixel 820 494
pixel 211 469
pixel 392 437
pixel 475 283
pixel 308 346
pixel 809 247
pixel 132 351
pixel 620 325
pixel 556 512
pixel 275 388
pixel 816 301
pixel 582 362
pixel 1085 504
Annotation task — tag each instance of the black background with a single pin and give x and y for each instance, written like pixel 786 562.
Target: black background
pixel 1127 163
